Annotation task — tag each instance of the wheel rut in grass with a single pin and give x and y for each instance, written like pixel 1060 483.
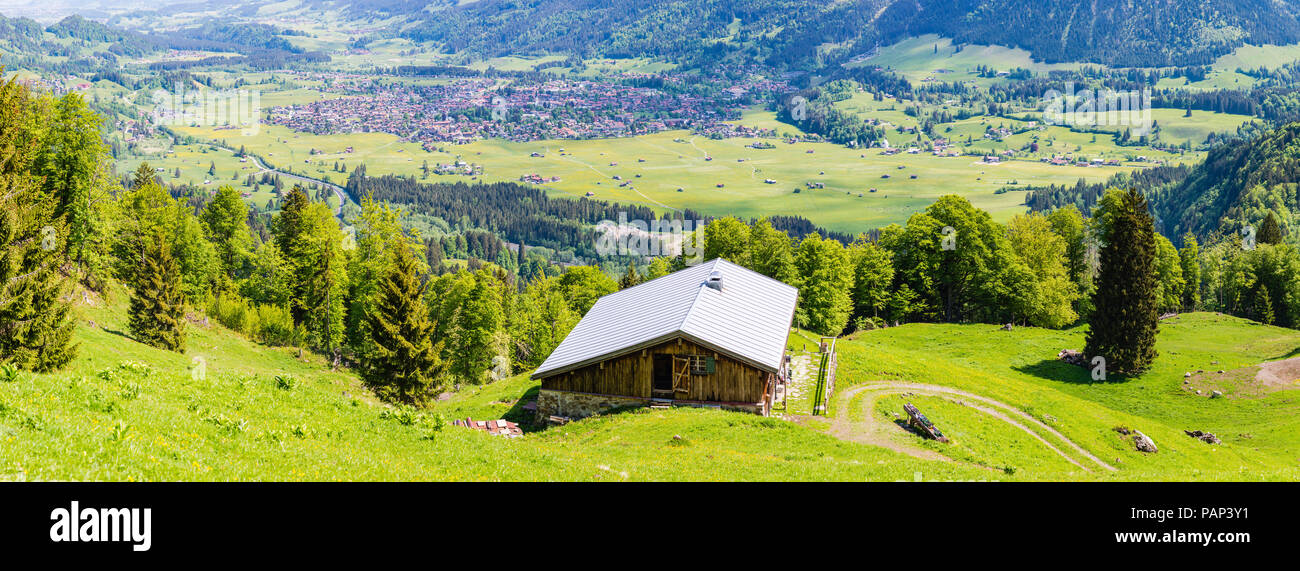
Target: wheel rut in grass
pixel 871 430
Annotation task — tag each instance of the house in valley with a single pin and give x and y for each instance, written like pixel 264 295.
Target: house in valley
pixel 710 335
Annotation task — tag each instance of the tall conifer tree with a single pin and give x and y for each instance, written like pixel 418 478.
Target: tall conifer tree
pixel 35 332
pixel 1189 257
pixel 1123 326
pixel 401 361
pixel 1270 232
pixel 630 278
pixel 290 227
pixel 157 312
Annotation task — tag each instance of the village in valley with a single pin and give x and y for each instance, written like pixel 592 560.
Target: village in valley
pixel 460 111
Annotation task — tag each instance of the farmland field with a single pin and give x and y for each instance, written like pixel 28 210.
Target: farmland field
pixel 677 159
pixel 841 188
pixel 1176 128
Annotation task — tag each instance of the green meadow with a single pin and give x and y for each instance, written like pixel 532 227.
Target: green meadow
pixel 929 57
pixel 230 409
pixel 1257 424
pixel 1224 75
pixel 1177 128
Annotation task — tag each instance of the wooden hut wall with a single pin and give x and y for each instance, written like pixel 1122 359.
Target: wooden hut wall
pixel 633 375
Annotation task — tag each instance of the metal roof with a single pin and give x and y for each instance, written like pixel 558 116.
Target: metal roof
pixel 748 320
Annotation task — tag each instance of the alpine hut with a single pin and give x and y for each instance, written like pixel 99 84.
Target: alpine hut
pixel 713 334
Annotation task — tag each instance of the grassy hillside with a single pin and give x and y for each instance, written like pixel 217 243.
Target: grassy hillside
pixel 1019 368
pixel 230 409
pixel 124 411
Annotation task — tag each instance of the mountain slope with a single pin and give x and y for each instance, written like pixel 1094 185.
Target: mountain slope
pixel 1237 184
pixel 125 411
pixel 1115 32
pixel 804 33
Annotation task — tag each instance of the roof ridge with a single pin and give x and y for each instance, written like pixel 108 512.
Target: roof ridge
pixel 649 281
pixel 756 273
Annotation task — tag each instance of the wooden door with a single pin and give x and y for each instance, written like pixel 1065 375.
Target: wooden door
pixel 663 375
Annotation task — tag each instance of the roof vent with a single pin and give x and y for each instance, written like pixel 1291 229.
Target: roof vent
pixel 715 280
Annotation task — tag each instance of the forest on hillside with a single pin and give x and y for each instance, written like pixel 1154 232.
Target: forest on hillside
pixel 796 33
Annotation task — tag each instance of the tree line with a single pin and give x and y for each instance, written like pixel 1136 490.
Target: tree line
pixel 954 263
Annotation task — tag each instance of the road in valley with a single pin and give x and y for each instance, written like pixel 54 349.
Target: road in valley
pixel 338 190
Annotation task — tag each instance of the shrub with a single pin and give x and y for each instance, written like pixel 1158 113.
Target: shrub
pixel 9 373
pixel 232 311
pixel 275 326
pixel 285 382
pixel 403 415
pixel 265 323
pixel 864 323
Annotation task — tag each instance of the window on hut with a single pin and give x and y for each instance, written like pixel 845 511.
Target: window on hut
pixel 702 364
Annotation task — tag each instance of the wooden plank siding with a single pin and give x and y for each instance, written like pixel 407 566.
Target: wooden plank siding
pixel 633 375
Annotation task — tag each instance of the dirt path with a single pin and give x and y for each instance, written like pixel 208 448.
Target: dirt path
pixel 873 431
pixel 703 153
pixel 632 187
pixel 874 434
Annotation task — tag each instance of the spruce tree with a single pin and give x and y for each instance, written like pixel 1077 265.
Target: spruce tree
pixel 144 174
pixel 1124 324
pixel 1270 232
pixel 157 313
pixel 1190 260
pixel 401 362
pixel 630 278
pixel 325 274
pixel 1264 307
pixel 290 227
pixel 35 332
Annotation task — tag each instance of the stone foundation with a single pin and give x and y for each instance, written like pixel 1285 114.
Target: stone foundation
pixel 581 405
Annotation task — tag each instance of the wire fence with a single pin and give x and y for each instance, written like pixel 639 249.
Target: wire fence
pixel 825 376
